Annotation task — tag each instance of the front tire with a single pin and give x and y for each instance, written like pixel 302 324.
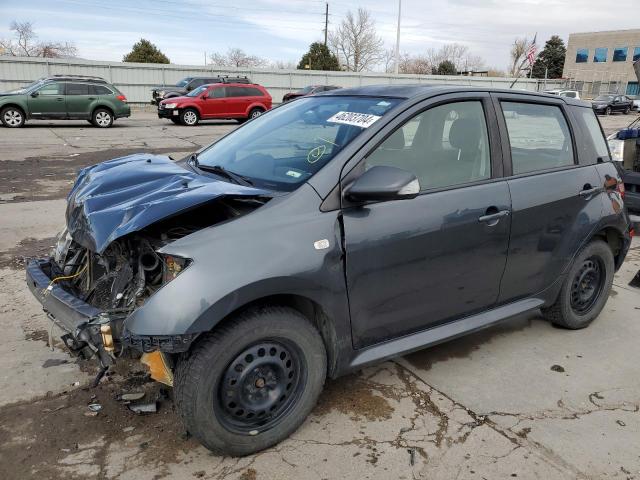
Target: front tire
pixel 607 111
pixel 189 117
pixel 102 118
pixel 251 383
pixel 627 110
pixel 12 117
pixel 586 288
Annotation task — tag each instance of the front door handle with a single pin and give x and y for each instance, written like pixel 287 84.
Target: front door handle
pixel 60 99
pixel 588 191
pixel 492 217
pixel 91 98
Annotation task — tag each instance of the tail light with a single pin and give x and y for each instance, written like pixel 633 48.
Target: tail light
pixel 620 188
pixel 122 98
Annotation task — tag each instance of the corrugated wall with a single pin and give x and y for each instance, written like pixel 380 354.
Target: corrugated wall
pixel 135 80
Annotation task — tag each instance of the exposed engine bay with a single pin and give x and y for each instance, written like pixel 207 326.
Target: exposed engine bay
pixel 130 269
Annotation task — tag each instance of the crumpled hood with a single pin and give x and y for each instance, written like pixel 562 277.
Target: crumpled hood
pixel 124 195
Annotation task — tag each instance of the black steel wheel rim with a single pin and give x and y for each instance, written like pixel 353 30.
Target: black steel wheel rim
pixel 260 386
pixel 587 285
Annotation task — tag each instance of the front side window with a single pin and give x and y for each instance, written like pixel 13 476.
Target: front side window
pixel 600 55
pixel 77 89
pixel 444 146
pixel 285 147
pixel 217 92
pixel 183 82
pixel 51 89
pixel 539 137
pixel 582 56
pixel 197 91
pixel 620 54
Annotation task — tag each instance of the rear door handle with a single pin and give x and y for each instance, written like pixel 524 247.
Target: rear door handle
pixel 60 99
pixel 589 192
pixel 492 218
pixel 92 98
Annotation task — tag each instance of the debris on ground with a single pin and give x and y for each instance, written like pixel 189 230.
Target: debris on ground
pixel 142 408
pixel 557 368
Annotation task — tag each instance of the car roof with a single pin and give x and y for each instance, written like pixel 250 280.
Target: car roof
pixel 410 91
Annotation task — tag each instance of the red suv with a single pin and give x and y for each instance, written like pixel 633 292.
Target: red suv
pixel 219 100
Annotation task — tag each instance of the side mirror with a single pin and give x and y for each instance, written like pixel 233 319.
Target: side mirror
pixel 35 94
pixel 384 183
pixel 204 96
pixel 189 88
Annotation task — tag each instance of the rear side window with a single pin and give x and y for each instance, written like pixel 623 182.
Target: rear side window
pixel 590 120
pixel 77 89
pixel 236 92
pixel 539 137
pixel 252 92
pixel 99 90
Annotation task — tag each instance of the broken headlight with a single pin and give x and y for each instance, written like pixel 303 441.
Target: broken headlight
pixel 172 266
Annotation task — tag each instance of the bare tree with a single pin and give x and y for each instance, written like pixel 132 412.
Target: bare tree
pixel 518 54
pixel 25 44
pixel 236 57
pixel 283 65
pixel 356 42
pixel 457 54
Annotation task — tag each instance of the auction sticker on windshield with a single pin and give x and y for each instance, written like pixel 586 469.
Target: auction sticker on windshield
pixel 356 119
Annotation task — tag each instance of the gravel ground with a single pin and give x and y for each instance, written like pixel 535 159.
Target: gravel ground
pixel 520 400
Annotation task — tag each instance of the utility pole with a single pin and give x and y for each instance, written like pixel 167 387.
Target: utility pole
pixel 398 38
pixel 326 22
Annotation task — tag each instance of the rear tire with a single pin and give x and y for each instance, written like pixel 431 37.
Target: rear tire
pixel 102 118
pixel 189 117
pixel 627 110
pixel 607 111
pixel 250 383
pixel 586 288
pixel 12 117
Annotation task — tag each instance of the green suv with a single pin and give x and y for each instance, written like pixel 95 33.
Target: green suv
pixel 64 97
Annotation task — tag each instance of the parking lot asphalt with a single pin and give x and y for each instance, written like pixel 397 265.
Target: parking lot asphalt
pixel 520 400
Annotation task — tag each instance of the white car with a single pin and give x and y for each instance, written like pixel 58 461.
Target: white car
pixel 564 93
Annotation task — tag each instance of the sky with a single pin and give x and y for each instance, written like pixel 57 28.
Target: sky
pixel 283 29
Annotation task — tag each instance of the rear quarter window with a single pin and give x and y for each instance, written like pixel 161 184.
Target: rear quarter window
pixel 596 138
pixel 99 90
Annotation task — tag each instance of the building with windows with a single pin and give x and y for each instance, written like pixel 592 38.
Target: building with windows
pixel 602 62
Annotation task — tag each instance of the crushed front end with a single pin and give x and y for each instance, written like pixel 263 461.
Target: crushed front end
pixel 107 261
pixel 90 295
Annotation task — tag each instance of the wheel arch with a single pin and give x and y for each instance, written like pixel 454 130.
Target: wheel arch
pixel 103 107
pixel 615 239
pixel 254 106
pixel 18 106
pixel 306 306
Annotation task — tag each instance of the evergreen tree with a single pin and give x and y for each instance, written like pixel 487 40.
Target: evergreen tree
pixel 145 52
pixel 319 58
pixel 446 67
pixel 551 58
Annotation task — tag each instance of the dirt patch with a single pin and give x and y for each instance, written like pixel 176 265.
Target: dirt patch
pixel 58 436
pixel 36 178
pixel 353 396
pixel 29 248
pixel 38 336
pixel 249 474
pixel 463 347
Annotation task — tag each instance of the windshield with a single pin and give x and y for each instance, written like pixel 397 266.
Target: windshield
pixel 183 82
pixel 604 98
pixel 28 87
pixel 197 91
pixel 285 147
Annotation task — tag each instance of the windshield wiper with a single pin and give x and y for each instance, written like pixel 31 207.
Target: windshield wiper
pixel 220 170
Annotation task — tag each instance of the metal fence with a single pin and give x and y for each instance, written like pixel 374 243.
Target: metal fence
pixel 135 80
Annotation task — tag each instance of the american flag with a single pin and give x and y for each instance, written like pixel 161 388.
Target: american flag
pixel 531 52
